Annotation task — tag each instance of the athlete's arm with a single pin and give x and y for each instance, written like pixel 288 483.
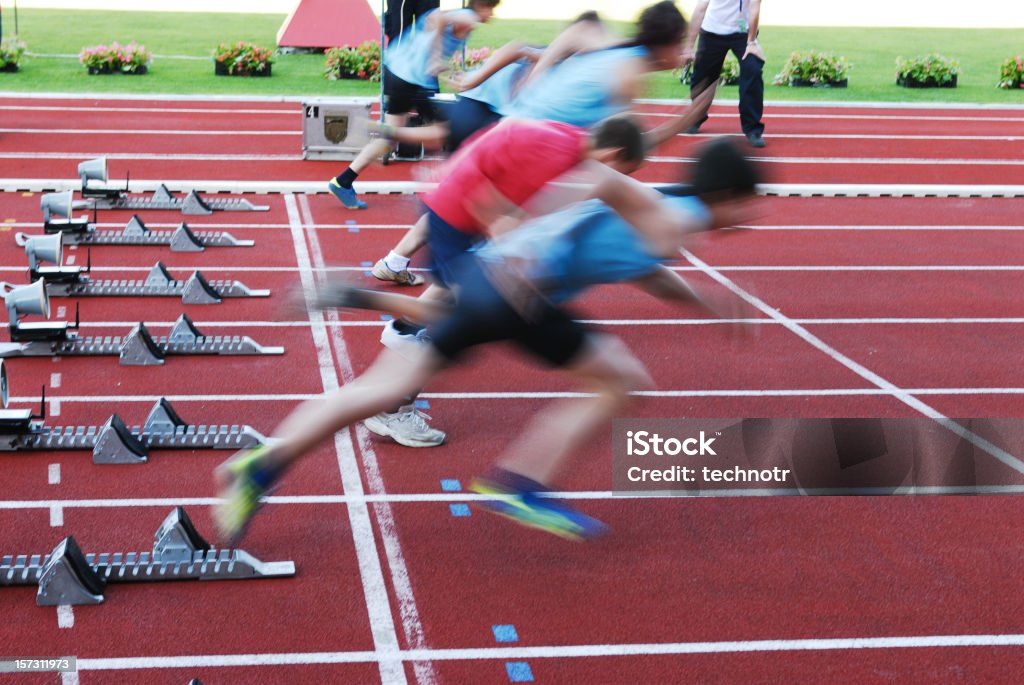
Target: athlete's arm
pixel 691 116
pixel 667 285
pixel 582 36
pixel 502 57
pixel 753 47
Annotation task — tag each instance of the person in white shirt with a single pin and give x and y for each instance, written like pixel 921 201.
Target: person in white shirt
pixel 725 25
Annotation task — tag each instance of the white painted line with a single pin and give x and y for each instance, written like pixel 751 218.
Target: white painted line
pixel 558 652
pixel 548 395
pixel 55 407
pixel 54 380
pixel 62 311
pixel 69 678
pixel 53 474
pixel 65 616
pixel 145 132
pixel 887 227
pixel 151 110
pixel 378 605
pixel 411 187
pixel 412 627
pixel 862 371
pixel 870 136
pixel 56 516
pixel 873 161
pixel 70 260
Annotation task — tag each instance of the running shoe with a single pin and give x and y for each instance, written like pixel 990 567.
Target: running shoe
pixel 241 481
pixel 408 426
pixel 382 272
pixel 529 509
pixel 347 196
pixel 409 345
pixel 755 139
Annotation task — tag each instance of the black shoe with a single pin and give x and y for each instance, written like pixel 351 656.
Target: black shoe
pixel 693 130
pixel 755 139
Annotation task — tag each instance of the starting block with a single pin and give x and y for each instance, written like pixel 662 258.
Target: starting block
pixel 80 231
pixel 116 198
pixel 66 576
pixel 138 348
pixel 114 442
pixel 71 281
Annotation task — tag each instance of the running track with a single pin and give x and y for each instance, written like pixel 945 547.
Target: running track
pixel 918 293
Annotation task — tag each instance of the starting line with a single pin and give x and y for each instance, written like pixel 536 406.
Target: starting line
pixel 410 187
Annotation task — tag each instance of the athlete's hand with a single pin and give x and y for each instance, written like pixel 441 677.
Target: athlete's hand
pixel 688 57
pixel 755 50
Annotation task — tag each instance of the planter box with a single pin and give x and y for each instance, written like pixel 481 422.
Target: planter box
pixel 800 83
pixel 221 70
pixel 141 71
pixel 930 83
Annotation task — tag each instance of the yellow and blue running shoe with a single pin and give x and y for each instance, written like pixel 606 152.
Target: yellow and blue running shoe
pixel 529 508
pixel 347 196
pixel 241 482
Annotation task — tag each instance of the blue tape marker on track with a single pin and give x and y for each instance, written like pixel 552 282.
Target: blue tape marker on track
pixel 505 632
pixel 451 485
pixel 518 672
pixel 459 510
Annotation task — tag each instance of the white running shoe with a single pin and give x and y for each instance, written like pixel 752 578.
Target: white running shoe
pixel 408 426
pixel 382 272
pixel 408 345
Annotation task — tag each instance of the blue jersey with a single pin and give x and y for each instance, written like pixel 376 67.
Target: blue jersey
pixel 411 57
pixel 586 244
pixel 496 91
pixel 579 90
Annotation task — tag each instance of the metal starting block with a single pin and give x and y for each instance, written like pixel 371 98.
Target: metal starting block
pixel 162 199
pixel 67 576
pixel 63 282
pixel 181 239
pixel 114 442
pixel 105 197
pixel 138 348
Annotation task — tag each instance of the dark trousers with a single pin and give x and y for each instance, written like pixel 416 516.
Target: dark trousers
pixel 402 14
pixel 707 65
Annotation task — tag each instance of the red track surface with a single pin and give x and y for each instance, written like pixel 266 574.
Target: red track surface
pixel 893 284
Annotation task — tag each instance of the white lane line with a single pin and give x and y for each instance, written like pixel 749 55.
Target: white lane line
pixel 554 394
pixel 887 227
pixel 400 581
pixel 374 323
pixel 870 136
pixel 873 161
pixel 70 260
pixel 56 516
pixel 149 110
pixel 445 497
pixel 55 380
pixel 53 474
pixel 378 605
pixel 55 407
pixel 65 616
pixel 145 132
pixel 862 371
pixel 560 652
pixel 69 678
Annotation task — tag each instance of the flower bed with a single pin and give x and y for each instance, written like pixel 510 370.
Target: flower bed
pixel 116 59
pixel 242 59
pixel 814 70
pixel 359 62
pixel 474 58
pixel 730 72
pixel 11 53
pixel 1011 73
pixel 932 71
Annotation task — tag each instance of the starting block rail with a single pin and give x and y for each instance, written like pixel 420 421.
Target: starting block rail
pixel 158 283
pixel 181 239
pixel 162 199
pixel 66 576
pixel 138 348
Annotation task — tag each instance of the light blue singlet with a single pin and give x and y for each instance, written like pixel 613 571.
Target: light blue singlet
pixel 409 58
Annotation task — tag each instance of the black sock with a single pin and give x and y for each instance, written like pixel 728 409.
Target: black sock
pixel 346 178
pixel 406 327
